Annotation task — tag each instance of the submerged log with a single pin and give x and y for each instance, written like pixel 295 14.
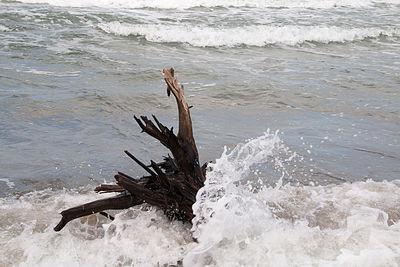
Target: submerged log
pixel 171 184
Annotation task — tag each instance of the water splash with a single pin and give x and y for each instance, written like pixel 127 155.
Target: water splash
pixel 137 237
pixel 330 225
pixel 235 225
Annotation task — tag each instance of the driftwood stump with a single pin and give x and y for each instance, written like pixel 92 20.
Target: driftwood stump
pixel 171 184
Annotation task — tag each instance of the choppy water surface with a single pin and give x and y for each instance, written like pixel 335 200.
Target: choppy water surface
pixel 323 76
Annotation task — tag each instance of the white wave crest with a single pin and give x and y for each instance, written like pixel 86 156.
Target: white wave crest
pixel 9 183
pixel 354 224
pixel 261 35
pixel 184 4
pixel 4 29
pixel 336 225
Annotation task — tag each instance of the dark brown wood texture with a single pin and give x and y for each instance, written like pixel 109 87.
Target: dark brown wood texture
pixel 171 184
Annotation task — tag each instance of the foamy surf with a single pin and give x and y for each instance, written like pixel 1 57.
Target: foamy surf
pixel 260 35
pixel 347 225
pixel 179 4
pixel 136 237
pixel 336 225
pixel 236 223
pixel 4 28
pixel 7 182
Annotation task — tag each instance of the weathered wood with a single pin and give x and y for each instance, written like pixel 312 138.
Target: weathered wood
pixel 121 201
pixel 109 188
pixel 172 184
pixel 140 163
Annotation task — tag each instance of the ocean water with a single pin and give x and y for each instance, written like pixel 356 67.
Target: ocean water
pixel 297 103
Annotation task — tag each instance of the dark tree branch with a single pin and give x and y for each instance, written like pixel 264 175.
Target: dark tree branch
pixel 121 201
pixel 140 163
pixel 172 184
pixel 109 188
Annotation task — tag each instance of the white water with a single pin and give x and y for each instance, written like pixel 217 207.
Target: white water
pixel 337 225
pixel 74 72
pixel 251 35
pixel 178 4
pixel 139 238
pixel 4 28
pixel 236 224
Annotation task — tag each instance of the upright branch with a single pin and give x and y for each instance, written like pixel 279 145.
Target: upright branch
pixel 185 122
pixel 171 184
pixel 185 134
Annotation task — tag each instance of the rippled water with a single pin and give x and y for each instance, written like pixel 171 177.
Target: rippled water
pixel 325 73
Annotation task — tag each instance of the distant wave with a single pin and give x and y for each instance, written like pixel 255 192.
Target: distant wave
pixel 184 4
pixel 260 35
pixel 4 28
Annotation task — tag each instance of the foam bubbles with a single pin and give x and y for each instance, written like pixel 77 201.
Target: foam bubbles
pixel 4 29
pixel 260 35
pixel 335 225
pixel 138 237
pixel 9 183
pixel 180 4
pixel 332 225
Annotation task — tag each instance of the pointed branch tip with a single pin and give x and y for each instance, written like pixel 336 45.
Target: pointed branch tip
pixel 141 164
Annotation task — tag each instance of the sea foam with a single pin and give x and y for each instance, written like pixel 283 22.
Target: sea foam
pixel 137 237
pixel 181 4
pixel 260 35
pixel 236 224
pixel 336 225
pixel 4 28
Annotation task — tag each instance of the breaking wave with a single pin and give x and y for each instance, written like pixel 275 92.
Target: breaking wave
pixel 251 35
pixel 236 223
pixel 180 4
pixel 4 28
pixel 336 225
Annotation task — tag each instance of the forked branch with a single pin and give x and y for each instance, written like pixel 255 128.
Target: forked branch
pixel 171 184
